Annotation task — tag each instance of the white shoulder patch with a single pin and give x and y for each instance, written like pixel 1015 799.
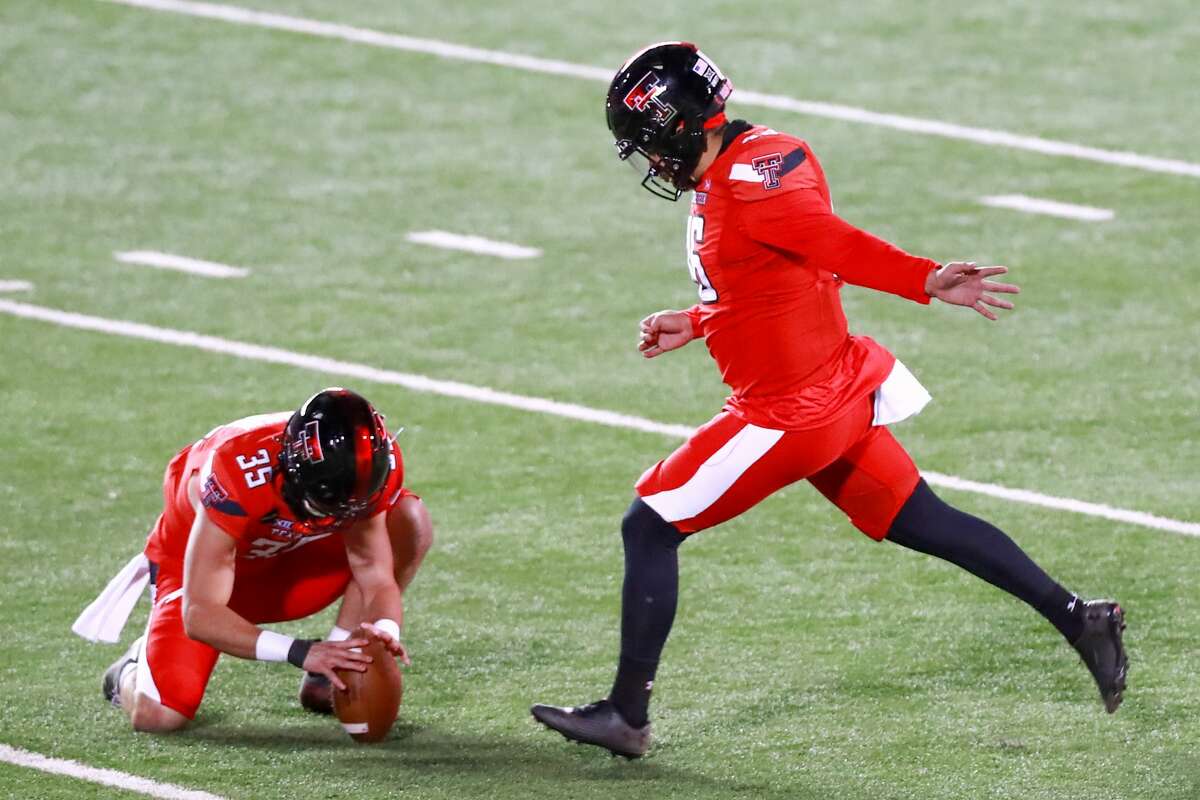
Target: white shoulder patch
pixel 744 172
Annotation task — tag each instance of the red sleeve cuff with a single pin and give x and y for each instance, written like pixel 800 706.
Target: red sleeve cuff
pixel 920 276
pixel 693 314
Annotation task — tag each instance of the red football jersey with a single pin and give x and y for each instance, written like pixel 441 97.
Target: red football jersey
pixel 770 257
pixel 235 463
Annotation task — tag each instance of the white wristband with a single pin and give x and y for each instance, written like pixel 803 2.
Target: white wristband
pixel 272 646
pixel 390 627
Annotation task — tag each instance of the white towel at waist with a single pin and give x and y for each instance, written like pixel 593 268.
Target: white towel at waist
pixel 104 619
pixel 900 397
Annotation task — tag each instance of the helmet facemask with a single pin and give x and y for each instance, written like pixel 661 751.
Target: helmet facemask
pixel 667 168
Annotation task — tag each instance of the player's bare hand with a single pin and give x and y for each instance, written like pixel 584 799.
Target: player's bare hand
pixel 663 331
pixel 394 646
pixel 962 283
pixel 325 657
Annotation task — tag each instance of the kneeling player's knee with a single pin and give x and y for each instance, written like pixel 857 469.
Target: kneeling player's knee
pixel 425 537
pixel 411 532
pixel 643 523
pixel 409 520
pixel 150 716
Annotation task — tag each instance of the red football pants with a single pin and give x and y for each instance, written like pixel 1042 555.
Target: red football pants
pixel 730 465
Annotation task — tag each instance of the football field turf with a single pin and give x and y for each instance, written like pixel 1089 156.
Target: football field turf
pixel 806 662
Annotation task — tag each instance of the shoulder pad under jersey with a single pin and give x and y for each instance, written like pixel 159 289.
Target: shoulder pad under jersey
pixel 235 483
pixel 766 164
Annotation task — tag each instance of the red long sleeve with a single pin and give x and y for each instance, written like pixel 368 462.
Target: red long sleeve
pixel 800 223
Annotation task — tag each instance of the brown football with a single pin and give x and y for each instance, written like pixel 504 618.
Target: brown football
pixel 369 705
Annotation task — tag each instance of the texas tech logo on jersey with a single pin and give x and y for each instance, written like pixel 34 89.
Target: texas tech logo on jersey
pixel 644 97
pixel 214 496
pixel 213 492
pixel 768 169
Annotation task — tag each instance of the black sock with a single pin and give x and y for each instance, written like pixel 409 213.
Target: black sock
pixel 648 600
pixel 929 525
pixel 631 689
pixel 1065 611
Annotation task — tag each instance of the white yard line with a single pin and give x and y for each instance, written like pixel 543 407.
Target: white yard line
pixel 949 130
pixel 482 394
pixel 1064 504
pixel 473 244
pixel 273 355
pixel 15 286
pixel 194 266
pixel 1052 208
pixel 107 777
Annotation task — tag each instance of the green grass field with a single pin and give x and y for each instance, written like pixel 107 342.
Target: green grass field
pixel 806 662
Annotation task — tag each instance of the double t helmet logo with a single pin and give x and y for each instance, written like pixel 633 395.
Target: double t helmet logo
pixel 308 443
pixel 645 95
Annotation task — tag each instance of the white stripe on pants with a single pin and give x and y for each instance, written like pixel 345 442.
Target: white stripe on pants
pixel 714 477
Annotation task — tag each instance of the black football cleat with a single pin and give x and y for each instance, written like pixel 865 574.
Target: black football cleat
pixel 1102 650
pixel 597 723
pixel 111 683
pixel 316 693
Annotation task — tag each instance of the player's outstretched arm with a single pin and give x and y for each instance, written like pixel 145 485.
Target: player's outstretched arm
pixel 664 331
pixel 962 283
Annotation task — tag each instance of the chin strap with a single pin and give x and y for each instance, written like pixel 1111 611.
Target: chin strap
pixel 715 121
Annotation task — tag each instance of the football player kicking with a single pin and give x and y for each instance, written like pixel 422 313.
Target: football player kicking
pixel 808 399
pixel 266 519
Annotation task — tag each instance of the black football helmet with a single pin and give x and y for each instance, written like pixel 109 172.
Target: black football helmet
pixel 335 459
pixel 659 105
